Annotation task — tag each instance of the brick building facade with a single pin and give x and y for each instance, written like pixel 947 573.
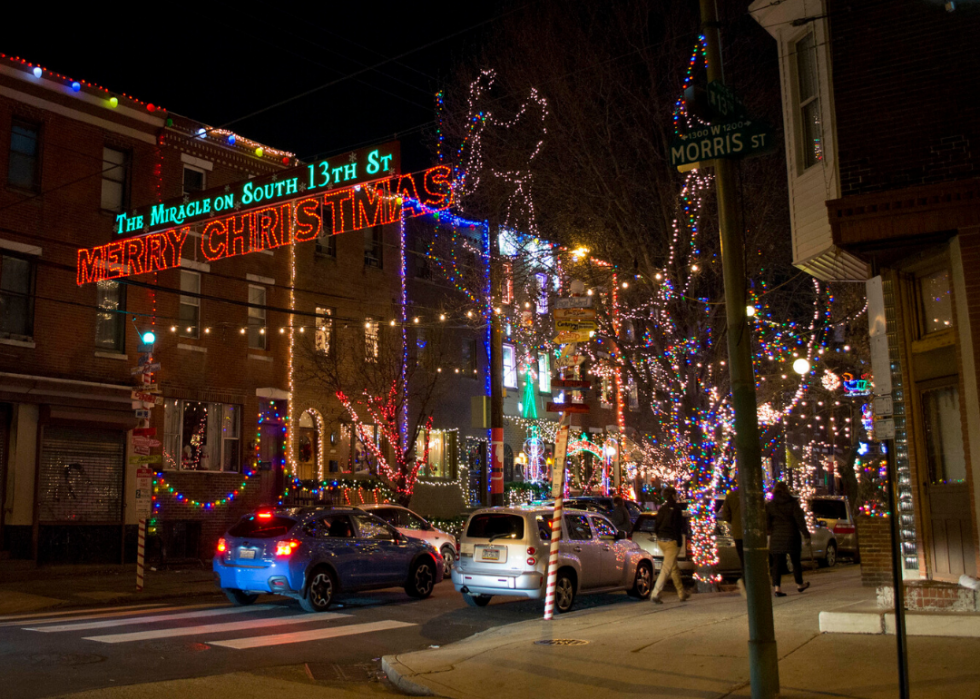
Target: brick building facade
pixel 881 133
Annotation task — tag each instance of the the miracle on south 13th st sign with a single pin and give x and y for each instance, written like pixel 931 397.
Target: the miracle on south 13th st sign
pixel 353 191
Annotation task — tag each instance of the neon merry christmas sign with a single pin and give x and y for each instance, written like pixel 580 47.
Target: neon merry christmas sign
pixel 299 220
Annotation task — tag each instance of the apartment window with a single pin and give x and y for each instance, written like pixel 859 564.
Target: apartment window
pixel 115 176
pixel 544 373
pixel 326 244
pixel 373 247
pixel 372 329
pixel 470 356
pixel 422 341
pixel 935 304
pixel 606 392
pixel 189 323
pixel 202 436
pixel 809 109
pixel 507 292
pixel 944 434
pixel 23 167
pixel 510 366
pixel 324 330
pixel 195 179
pixel 423 268
pixel 16 297
pixel 256 317
pixel 634 395
pixel 110 321
pixel 542 280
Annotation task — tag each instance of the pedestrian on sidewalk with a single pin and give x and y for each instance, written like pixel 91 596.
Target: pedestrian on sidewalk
pixel 620 516
pixel 731 512
pixel 670 531
pixel 787 529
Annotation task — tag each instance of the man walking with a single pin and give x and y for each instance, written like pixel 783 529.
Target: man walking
pixel 670 530
pixel 731 512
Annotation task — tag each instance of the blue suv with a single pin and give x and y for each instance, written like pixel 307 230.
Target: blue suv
pixel 313 554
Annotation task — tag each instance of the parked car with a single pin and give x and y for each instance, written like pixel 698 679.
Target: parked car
pixel 834 514
pixel 599 503
pixel 505 551
pixel 312 554
pixel 824 543
pixel 416 527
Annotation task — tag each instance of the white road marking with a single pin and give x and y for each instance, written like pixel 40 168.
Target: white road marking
pixel 213 628
pixel 155 619
pixel 73 612
pixel 314 635
pixel 104 615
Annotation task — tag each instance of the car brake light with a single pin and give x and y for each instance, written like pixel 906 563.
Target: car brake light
pixel 286 548
pixel 530 550
pixel 842 529
pixel 531 561
pixel 265 515
pixel 222 546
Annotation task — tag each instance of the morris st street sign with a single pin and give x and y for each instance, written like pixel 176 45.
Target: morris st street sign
pixel 737 139
pixel 294 206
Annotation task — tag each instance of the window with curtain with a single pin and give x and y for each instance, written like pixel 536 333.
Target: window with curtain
pixel 510 366
pixel 110 322
pixel 944 434
pixel 201 436
pixel 544 373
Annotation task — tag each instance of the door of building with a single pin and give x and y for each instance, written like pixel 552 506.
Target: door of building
pixel 80 494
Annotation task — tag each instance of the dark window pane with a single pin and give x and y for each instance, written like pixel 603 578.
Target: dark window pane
pixel 22 163
pixel 193 180
pixel 258 527
pixel 578 527
pixel 488 525
pixel 16 303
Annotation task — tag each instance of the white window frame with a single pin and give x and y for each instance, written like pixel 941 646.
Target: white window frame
pixel 510 367
pixel 190 301
pixel 257 317
pixel 544 373
pixel 174 439
pixel 801 104
pixel 204 178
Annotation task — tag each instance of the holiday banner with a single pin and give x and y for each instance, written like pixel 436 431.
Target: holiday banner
pixel 300 220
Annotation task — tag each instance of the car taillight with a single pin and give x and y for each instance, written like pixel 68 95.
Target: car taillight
pixel 843 529
pixel 265 515
pixel 531 561
pixel 222 546
pixel 286 548
pixel 530 550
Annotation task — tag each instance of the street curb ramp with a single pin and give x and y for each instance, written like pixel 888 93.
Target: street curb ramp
pixel 399 674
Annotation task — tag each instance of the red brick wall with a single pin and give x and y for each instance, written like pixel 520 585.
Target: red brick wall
pixel 905 84
pixel 874 537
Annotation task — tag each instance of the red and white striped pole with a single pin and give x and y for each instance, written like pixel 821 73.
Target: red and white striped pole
pixel 558 492
pixel 140 548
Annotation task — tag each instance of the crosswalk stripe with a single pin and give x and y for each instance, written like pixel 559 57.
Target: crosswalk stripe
pixel 153 619
pixel 73 612
pixel 213 628
pixel 314 635
pixel 103 615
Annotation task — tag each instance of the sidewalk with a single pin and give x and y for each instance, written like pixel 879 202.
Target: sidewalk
pixel 31 590
pixel 696 649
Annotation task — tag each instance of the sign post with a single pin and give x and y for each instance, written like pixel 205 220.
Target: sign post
pixel 144 508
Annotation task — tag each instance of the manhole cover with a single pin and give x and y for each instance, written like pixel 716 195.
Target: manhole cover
pixel 561 642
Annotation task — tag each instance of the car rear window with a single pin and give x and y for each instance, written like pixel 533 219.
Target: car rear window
pixel 263 528
pixel 646 524
pixel 496 524
pixel 828 509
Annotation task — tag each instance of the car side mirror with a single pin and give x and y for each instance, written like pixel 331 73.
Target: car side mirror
pixel 620 535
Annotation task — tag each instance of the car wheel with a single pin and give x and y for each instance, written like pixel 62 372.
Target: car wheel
pixel 319 591
pixel 421 580
pixel 448 558
pixel 643 582
pixel 239 598
pixel 564 592
pixel 830 560
pixel 477 600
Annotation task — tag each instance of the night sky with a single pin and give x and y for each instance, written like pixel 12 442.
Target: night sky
pixel 223 61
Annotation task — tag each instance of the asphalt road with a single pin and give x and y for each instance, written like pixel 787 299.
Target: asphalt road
pixel 55 653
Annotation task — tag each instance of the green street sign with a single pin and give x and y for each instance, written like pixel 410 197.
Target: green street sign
pixel 735 140
pixel 146 459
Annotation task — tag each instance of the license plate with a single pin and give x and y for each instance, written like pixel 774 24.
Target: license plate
pixel 246 553
pixel 491 554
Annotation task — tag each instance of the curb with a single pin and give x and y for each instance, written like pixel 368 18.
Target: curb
pixel 397 675
pixel 952 625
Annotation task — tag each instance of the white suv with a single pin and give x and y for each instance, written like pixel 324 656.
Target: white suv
pixel 504 551
pixel 414 526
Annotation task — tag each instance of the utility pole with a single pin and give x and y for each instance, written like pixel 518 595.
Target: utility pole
pixel 496 375
pixel 763 661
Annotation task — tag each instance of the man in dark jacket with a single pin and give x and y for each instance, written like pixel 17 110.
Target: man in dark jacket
pixel 731 512
pixel 787 529
pixel 620 516
pixel 670 530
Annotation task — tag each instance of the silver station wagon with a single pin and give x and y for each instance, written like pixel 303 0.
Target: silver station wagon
pixel 505 551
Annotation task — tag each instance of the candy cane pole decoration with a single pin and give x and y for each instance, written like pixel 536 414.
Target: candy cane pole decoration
pixel 140 548
pixel 558 491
